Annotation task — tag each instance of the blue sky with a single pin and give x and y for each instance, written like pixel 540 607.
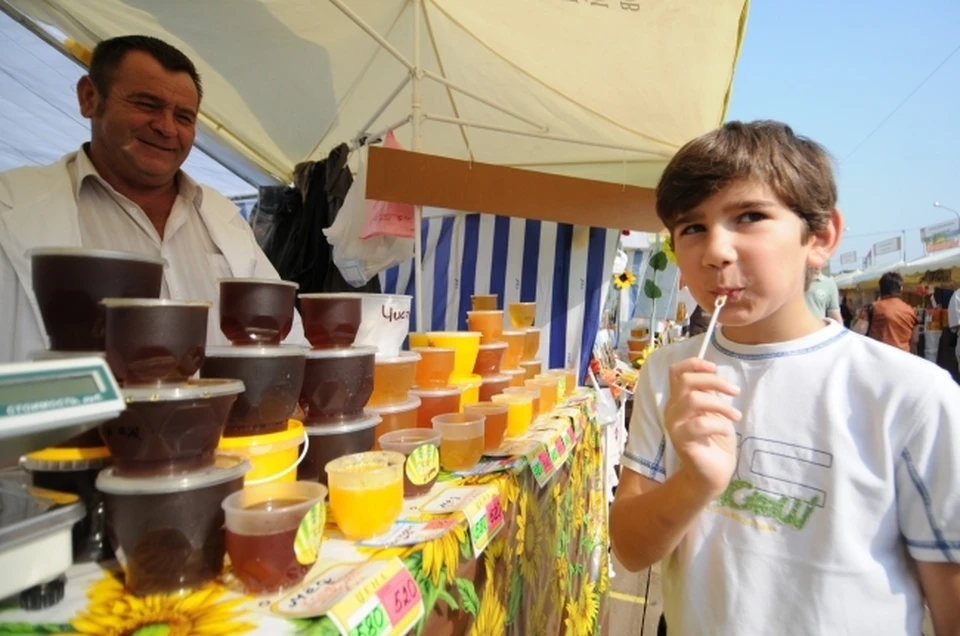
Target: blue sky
pixel 833 70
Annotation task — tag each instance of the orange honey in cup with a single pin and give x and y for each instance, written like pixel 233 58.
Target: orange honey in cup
pixel 531 344
pixel 533 368
pixel 484 302
pixel 515 343
pixel 488 323
pixel 393 375
pixel 366 492
pixel 548 388
pixel 434 368
pixel 494 423
pixel 462 440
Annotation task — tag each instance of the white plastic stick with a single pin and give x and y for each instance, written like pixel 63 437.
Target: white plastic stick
pixel 717 306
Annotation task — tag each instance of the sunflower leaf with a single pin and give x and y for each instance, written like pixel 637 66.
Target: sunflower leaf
pixel 659 261
pixel 516 597
pixel 468 596
pixel 447 597
pixel 651 290
pixel 465 550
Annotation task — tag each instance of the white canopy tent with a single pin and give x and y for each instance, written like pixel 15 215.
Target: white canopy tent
pixel 605 90
pixel 39 117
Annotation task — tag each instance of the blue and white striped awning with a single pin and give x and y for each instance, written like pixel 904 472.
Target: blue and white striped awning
pixel 566 269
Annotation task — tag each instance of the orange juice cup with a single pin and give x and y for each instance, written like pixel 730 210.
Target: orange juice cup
pixel 534 396
pixel 392 378
pixel 531 344
pixel 417 340
pixel 532 368
pixel 484 302
pixel 488 323
pixel 461 440
pixel 395 417
pixel 466 345
pixel 549 390
pixel 522 314
pixel 434 368
pixel 494 423
pixel 493 385
pixel 514 353
pixel 517 376
pixel 366 492
pixel 436 402
pixel 519 412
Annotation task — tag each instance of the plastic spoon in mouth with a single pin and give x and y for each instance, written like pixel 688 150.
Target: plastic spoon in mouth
pixel 717 306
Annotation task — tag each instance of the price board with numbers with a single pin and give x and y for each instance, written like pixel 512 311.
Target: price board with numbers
pixel 387 604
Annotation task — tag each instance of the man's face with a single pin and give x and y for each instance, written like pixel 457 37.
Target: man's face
pixel 143 129
pixel 744 243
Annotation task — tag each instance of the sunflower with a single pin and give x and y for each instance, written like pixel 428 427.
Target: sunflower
pixel 667 247
pixel 442 555
pixel 509 490
pixel 528 545
pixel 115 612
pixel 492 617
pixel 582 613
pixel 624 279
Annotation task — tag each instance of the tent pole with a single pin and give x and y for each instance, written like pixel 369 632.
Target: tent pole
pixel 386 104
pixel 416 111
pixel 538 135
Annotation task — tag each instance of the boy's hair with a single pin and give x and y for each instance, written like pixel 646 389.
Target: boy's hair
pixel 798 170
pixel 109 54
pixel 891 284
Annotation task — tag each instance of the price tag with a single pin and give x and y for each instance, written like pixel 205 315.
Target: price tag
pixel 484 518
pixel 541 465
pixel 554 455
pixel 387 604
pixel 560 446
pixel 568 437
pixel 405 532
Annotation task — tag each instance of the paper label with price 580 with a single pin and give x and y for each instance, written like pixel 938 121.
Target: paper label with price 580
pixel 387 604
pixel 484 518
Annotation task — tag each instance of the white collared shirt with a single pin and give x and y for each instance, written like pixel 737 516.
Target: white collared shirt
pixel 953 310
pixel 109 220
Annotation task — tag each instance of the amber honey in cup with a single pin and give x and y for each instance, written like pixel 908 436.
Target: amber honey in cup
pixel 492 385
pixel 533 368
pixel 531 344
pixel 488 323
pixel 421 448
pixel 548 388
pixel 522 315
pixel 366 492
pixel 494 423
pixel 434 368
pixel 484 302
pixel 461 440
pixel 517 376
pixel 393 375
pixel 515 343
pixel 274 533
pixel 436 402
pixel 395 417
pixel 519 412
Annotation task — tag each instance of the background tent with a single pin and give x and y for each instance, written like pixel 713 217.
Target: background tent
pixel 566 269
pixel 39 117
pixel 286 80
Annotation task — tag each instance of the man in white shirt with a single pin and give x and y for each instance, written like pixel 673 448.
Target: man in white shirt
pixel 124 190
pixel 953 317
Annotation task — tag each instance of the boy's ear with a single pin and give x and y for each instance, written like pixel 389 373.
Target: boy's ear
pixel 825 242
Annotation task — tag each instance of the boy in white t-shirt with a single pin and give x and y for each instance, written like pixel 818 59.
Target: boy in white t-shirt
pixel 802 479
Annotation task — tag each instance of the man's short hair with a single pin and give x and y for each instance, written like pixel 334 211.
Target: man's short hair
pixel 109 54
pixel 891 283
pixel 798 170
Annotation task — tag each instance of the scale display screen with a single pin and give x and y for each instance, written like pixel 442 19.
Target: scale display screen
pixel 52 388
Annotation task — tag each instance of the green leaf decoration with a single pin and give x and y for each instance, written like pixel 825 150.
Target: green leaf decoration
pixel 447 597
pixel 651 290
pixel 27 629
pixel 154 629
pixel 469 600
pixel 516 597
pixel 659 261
pixel 465 550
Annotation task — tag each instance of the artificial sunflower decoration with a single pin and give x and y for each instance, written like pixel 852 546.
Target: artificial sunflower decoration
pixel 115 612
pixel 624 280
pixel 667 247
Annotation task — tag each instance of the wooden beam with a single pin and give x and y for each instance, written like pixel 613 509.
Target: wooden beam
pixel 434 181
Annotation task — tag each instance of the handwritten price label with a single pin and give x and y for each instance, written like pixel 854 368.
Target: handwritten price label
pixel 484 518
pixel 560 446
pixel 387 604
pixel 554 455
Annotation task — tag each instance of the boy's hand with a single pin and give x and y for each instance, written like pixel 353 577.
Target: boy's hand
pixel 700 423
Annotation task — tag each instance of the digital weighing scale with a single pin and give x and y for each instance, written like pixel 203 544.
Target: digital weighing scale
pixel 43 404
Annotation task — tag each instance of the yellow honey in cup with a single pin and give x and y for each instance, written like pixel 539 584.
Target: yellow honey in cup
pixel 366 492
pixel 519 412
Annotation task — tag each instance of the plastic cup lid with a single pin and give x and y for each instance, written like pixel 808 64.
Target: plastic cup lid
pixel 66 459
pixel 261 281
pixel 225 468
pixel 436 393
pixel 389 409
pixel 191 390
pixel 494 345
pixel 331 295
pixel 342 428
pixel 153 302
pixel 407 439
pixel 484 311
pixel 96 253
pixel 428 350
pixel 274 351
pixel 496 379
pixel 354 351
pixel 397 358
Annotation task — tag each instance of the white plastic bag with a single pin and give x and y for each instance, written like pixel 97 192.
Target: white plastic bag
pixel 359 259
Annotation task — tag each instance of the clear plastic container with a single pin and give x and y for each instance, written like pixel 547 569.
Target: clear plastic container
pixel 531 344
pixel 393 375
pixel 522 314
pixel 492 385
pixel 436 402
pixel 396 417
pixel 435 367
pixel 330 441
pixel 421 448
pixel 274 533
pixel 490 358
pixel 519 412
pixel 337 384
pixel 488 323
pixel 514 354
pixel 168 531
pixel 494 423
pixel 534 395
pixel 461 440
pixel 517 376
pixel 366 492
